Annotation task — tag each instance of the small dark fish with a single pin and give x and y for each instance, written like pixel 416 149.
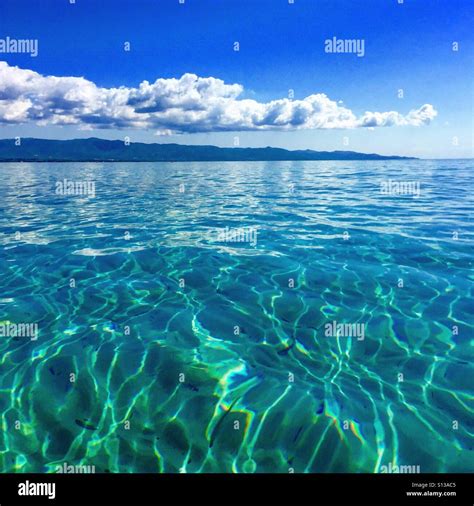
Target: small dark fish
pixel 85 425
pixel 192 387
pixel 219 423
pixel 286 350
pixel 297 433
pixel 320 409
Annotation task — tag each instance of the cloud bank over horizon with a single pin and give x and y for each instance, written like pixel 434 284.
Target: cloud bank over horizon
pixel 190 104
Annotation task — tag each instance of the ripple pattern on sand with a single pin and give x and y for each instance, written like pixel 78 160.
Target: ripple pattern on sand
pixel 164 349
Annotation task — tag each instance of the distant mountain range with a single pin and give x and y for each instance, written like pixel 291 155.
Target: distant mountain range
pixel 101 150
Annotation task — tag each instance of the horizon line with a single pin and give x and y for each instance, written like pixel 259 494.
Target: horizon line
pixel 13 139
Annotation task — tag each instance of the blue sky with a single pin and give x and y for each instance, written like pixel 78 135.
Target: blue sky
pixel 408 46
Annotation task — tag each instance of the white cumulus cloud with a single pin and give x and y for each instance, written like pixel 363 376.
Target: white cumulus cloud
pixel 185 105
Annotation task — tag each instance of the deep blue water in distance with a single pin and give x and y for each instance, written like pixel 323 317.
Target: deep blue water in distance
pixel 164 346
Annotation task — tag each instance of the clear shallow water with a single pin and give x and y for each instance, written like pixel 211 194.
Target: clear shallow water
pixel 161 375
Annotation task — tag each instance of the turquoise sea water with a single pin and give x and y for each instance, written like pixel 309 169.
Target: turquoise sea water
pixel 162 347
